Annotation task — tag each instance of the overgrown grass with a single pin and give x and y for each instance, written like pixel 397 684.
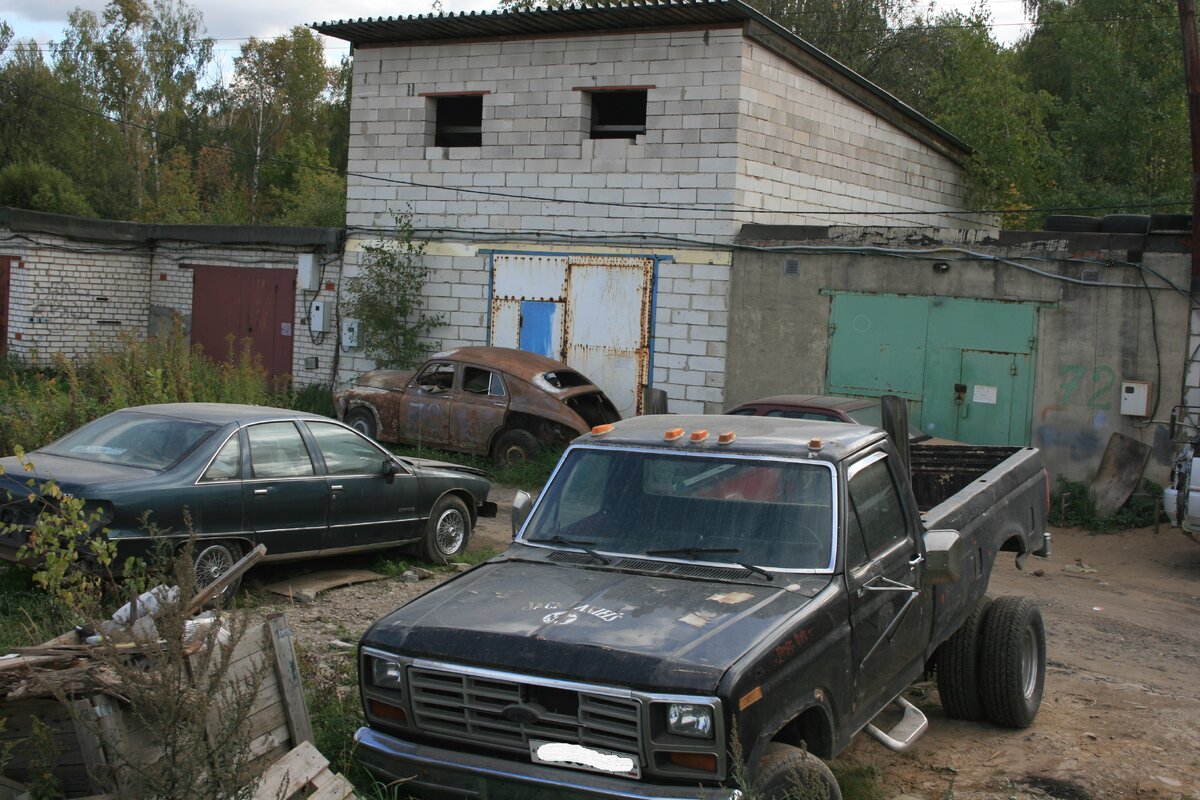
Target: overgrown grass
pixel 1072 506
pixel 28 616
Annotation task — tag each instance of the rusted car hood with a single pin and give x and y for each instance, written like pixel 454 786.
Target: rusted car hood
pixel 596 625
pixel 386 378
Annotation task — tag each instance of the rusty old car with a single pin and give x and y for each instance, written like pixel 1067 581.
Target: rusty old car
pixel 488 401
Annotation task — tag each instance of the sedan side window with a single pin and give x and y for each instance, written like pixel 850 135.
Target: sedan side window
pixel 278 451
pixel 227 466
pixel 437 377
pixel 482 381
pixel 345 452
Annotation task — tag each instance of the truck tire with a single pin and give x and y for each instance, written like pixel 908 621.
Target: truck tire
pixel 514 446
pixel 792 773
pixel 1012 662
pixel 447 531
pixel 957 665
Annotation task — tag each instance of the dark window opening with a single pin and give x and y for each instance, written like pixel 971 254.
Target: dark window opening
pixel 618 115
pixel 459 121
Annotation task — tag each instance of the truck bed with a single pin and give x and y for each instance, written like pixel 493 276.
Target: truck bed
pixel 941 470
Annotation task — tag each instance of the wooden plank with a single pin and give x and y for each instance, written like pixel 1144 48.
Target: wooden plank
pixel 287 670
pixel 291 773
pixel 203 596
pixel 95 760
pixel 276 737
pixel 337 789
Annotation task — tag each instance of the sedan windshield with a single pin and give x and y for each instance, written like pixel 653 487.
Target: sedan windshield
pixel 133 440
pixel 766 513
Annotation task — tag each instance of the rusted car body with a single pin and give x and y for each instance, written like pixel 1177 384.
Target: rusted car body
pixel 488 401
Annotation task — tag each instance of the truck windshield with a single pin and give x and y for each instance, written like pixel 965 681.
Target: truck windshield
pixel 773 514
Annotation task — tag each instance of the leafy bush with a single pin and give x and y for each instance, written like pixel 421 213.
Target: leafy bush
pixel 1073 506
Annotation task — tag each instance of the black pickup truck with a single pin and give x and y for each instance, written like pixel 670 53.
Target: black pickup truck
pixel 696 606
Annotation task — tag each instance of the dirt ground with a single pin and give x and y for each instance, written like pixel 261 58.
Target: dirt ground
pixel 1121 713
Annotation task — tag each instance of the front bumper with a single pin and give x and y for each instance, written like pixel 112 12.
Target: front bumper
pixel 459 774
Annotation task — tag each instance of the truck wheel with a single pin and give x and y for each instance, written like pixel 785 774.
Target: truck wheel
pixel 791 773
pixel 958 668
pixel 1012 662
pixel 447 531
pixel 513 447
pixel 362 421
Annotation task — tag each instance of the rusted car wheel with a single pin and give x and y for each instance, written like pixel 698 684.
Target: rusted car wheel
pixel 447 531
pixel 362 421
pixel 514 446
pixel 790 773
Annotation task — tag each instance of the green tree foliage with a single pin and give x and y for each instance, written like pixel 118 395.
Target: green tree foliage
pixel 40 187
pixel 386 299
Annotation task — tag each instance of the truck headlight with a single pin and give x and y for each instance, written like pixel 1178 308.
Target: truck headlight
pixel 689 719
pixel 387 674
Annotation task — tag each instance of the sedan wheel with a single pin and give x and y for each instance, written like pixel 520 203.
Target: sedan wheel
pixel 447 531
pixel 214 559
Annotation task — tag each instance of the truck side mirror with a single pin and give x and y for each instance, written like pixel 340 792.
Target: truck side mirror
pixel 522 504
pixel 943 556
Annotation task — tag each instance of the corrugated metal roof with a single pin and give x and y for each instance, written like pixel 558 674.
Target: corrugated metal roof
pixel 616 17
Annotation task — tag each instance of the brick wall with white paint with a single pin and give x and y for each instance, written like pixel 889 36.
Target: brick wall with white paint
pixel 535 135
pixel 691 328
pixel 68 298
pixel 806 149
pixel 78 297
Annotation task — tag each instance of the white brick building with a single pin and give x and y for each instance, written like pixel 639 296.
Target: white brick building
pixel 531 146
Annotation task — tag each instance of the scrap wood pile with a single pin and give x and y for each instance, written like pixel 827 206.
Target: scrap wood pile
pixel 69 697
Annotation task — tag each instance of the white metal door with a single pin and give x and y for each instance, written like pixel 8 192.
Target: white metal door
pixel 608 325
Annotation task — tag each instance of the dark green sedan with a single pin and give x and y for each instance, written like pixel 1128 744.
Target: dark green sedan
pixel 304 485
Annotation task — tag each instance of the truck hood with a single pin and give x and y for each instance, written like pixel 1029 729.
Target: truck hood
pixel 646 631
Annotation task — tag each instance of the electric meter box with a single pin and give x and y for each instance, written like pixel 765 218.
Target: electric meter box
pixel 318 316
pixel 1135 398
pixel 308 278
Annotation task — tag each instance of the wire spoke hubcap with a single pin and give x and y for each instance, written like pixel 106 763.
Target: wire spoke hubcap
pixel 451 530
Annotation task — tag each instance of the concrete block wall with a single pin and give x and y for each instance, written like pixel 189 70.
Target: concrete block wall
pixel 535 135
pixel 690 334
pixel 806 149
pixel 73 298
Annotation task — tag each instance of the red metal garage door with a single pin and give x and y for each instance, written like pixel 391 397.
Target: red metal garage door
pixel 247 303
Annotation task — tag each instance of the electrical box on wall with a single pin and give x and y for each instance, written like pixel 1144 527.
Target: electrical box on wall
pixel 308 277
pixel 1135 398
pixel 349 333
pixel 318 317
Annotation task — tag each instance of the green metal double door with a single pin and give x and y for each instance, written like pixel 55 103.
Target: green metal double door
pixel 964 365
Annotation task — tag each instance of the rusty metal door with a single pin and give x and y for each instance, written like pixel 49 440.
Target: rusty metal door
pixel 245 303
pixel 5 278
pixel 591 312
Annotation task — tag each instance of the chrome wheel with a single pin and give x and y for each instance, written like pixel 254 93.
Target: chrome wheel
pixel 1030 663
pixel 451 531
pixel 212 562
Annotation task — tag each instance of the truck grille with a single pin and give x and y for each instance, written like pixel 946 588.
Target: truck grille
pixel 471 708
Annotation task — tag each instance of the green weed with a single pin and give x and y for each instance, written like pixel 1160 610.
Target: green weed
pixel 1073 506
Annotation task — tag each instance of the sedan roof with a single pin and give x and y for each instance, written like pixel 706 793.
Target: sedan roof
pixel 220 413
pixel 518 363
pixel 811 400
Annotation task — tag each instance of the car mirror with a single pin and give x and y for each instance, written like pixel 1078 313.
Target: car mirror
pixel 390 468
pixel 522 504
pixel 943 556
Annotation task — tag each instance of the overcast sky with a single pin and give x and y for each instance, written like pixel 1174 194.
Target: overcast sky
pixel 231 22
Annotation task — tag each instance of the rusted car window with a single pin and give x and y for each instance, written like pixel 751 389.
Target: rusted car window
pixel 437 377
pixel 482 381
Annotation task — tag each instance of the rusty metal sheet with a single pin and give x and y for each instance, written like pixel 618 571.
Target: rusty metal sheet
pixel 1119 473
pixel 529 277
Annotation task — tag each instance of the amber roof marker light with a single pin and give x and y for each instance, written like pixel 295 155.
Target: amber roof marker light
pixel 726 438
pixel 673 434
pixel 699 436
pixel 600 430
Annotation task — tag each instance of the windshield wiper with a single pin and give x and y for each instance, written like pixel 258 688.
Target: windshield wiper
pixel 692 552
pixel 582 545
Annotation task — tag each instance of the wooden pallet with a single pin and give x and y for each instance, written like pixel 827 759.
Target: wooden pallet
pixel 302 773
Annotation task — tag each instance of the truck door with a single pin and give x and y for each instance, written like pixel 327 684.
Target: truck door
pixel 889 611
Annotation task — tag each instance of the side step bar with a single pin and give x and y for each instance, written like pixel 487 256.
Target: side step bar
pixel 907 730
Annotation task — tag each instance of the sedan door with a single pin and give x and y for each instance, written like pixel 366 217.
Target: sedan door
pixel 286 500
pixel 368 506
pixel 478 411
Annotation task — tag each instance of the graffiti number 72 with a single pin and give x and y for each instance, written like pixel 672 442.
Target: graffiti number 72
pixel 1073 376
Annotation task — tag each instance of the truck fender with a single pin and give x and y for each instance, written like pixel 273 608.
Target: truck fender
pixel 810 727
